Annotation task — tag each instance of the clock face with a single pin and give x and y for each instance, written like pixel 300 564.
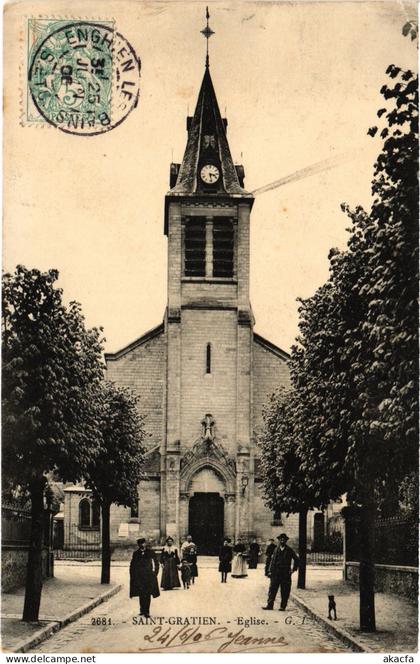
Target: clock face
pixel 209 174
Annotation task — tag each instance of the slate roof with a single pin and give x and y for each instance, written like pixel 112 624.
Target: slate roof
pixel 208 122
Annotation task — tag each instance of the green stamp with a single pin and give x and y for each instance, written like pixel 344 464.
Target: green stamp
pixel 83 77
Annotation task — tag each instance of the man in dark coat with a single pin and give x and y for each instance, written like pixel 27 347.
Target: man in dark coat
pixel 144 569
pixel 280 573
pixel 254 552
pixel 268 553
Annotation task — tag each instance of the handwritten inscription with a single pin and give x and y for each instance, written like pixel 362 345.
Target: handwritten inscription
pixel 164 638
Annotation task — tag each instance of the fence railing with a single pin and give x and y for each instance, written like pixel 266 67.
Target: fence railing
pixel 396 540
pixel 16 525
pixel 78 544
pixel 323 558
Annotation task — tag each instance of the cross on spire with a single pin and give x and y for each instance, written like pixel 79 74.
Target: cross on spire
pixel 207 32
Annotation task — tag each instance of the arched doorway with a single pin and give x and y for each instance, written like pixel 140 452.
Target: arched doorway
pixel 206 522
pixel 206 510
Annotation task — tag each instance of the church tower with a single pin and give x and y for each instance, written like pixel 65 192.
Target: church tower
pixel 203 375
pixel 209 322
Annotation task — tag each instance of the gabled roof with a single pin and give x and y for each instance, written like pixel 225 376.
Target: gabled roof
pixel 154 332
pixel 271 347
pixel 207 131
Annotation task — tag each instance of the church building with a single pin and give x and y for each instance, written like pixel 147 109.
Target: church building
pixel 203 374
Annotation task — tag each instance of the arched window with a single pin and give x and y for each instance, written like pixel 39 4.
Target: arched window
pixel 208 358
pixel 276 521
pixel 134 511
pixel 89 514
pixel 84 513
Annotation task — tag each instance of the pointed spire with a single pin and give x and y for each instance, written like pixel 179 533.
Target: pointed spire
pixel 207 143
pixel 207 151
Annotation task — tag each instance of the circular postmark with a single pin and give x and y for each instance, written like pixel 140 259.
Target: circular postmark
pixel 84 78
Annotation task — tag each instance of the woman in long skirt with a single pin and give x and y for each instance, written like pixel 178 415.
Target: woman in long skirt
pixel 225 559
pixel 169 559
pixel 239 565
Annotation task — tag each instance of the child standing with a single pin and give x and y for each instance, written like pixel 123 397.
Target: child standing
pixel 185 573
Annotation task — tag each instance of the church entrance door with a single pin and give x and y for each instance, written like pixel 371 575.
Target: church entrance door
pixel 206 522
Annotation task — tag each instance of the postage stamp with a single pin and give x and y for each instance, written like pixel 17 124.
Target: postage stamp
pixel 83 76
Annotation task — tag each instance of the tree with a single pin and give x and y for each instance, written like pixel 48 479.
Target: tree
pixel 286 486
pixel 355 368
pixel 52 370
pixel 115 473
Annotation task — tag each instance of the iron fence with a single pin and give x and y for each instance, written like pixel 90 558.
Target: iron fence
pixel 396 540
pixel 15 525
pixel 324 558
pixel 78 543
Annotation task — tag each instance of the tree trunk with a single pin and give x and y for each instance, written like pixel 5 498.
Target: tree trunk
pixel 33 587
pixel 367 566
pixel 301 583
pixel 106 544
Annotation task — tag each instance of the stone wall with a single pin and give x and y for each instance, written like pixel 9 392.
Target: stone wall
pixel 270 371
pixel 213 392
pixel 14 559
pixel 141 367
pixel 149 512
pixel 396 579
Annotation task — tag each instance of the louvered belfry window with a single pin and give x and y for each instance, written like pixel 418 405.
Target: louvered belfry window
pixel 223 240
pixel 195 247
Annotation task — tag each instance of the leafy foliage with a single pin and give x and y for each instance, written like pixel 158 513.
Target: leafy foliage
pixel 52 371
pixel 286 488
pixel 355 368
pixel 114 474
pixel 410 28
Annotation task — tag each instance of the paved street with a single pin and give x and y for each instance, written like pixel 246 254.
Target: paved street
pixel 221 608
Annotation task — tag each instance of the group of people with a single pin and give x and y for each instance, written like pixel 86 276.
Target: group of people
pixel 237 559
pixel 281 561
pixel 144 569
pixel 171 562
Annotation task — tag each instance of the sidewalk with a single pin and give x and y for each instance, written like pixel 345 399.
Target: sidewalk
pixel 396 616
pixel 64 599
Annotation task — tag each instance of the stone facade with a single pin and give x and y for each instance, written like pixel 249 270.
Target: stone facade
pixel 185 469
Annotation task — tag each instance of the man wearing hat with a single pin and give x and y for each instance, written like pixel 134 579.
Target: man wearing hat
pixel 144 569
pixel 280 572
pixel 268 554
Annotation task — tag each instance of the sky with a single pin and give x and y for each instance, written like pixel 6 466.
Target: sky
pixel 299 83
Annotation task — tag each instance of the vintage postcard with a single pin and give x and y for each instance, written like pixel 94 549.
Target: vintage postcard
pixel 215 450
